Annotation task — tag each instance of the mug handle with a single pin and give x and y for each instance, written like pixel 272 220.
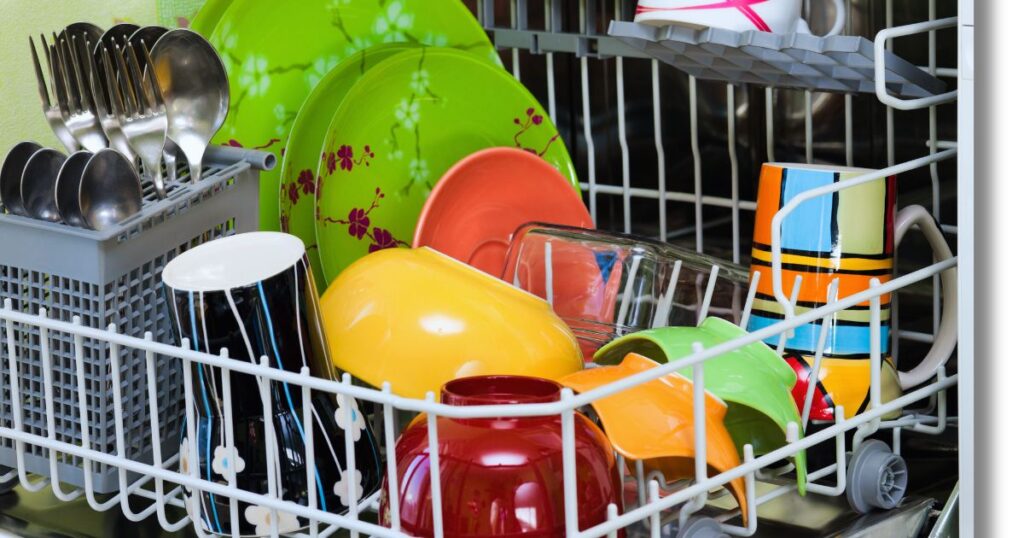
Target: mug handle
pixel 837 26
pixel 945 337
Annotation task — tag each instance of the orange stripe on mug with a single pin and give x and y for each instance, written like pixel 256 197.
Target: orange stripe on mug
pixel 814 286
pixel 769 195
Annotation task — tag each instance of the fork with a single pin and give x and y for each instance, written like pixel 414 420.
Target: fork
pixel 143 118
pixel 50 108
pixel 109 122
pixel 77 107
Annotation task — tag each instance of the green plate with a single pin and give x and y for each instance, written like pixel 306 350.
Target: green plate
pixel 205 20
pixel 755 382
pixel 302 156
pixel 276 52
pixel 400 128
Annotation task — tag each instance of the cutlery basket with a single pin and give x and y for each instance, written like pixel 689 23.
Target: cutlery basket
pixel 111 279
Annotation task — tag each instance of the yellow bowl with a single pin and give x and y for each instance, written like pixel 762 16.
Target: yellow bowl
pixel 418 319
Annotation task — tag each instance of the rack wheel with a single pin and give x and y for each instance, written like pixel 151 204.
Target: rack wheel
pixel 701 527
pixel 875 478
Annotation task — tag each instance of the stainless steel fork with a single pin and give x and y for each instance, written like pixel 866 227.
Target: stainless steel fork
pixel 143 117
pixel 110 122
pixel 50 107
pixel 77 107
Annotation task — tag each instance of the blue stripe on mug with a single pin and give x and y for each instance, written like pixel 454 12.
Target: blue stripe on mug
pixel 843 340
pixel 811 226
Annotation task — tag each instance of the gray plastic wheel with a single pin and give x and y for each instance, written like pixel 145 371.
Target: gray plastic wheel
pixel 875 478
pixel 701 527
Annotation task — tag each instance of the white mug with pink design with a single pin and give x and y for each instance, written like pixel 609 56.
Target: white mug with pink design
pixel 777 16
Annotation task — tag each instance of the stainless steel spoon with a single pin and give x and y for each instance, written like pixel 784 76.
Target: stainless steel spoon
pixel 111 190
pixel 10 176
pixel 79 29
pixel 194 86
pixel 66 191
pixel 38 182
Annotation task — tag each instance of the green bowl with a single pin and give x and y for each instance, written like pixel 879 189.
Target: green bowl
pixel 753 380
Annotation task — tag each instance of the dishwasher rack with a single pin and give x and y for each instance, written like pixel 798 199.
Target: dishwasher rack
pixel 618 198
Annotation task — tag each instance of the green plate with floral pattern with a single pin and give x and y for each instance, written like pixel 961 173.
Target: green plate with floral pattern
pixel 205 20
pixel 303 155
pixel 276 52
pixel 400 128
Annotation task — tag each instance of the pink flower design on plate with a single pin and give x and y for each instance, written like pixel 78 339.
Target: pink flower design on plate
pixel 358 222
pixel 345 157
pixel 532 119
pixel 306 181
pixel 293 193
pixel 332 162
pixel 382 239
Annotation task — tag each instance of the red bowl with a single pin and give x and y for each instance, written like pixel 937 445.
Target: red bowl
pixel 501 476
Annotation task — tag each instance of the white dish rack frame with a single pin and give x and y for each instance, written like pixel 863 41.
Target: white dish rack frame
pixel 164 488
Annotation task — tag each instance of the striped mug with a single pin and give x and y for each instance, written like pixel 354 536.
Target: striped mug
pixel 846 234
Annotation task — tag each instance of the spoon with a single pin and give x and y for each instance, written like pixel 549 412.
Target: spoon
pixel 194 86
pixel 10 176
pixel 91 32
pixel 66 191
pixel 38 182
pixel 111 190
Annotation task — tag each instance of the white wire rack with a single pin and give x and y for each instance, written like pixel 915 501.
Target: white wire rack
pixel 161 488
pixel 162 484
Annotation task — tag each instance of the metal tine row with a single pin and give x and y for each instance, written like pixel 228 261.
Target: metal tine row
pixel 105 99
pixel 76 104
pixel 98 98
pixel 135 99
pixel 52 97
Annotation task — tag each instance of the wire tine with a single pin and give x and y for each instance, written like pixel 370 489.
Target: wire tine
pixel 151 75
pixel 53 58
pixel 70 101
pixel 83 96
pixel 131 99
pixel 117 105
pixel 83 62
pixel 99 96
pixel 146 92
pixel 49 66
pixel 41 82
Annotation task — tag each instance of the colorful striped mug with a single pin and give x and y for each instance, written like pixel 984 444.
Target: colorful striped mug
pixel 846 234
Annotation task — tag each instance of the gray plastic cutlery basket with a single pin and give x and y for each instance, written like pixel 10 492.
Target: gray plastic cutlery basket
pixel 109 277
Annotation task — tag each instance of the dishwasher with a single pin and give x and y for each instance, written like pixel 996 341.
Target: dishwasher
pixel 668 130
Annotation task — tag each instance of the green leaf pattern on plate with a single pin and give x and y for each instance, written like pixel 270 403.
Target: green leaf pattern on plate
pixel 420 114
pixel 276 52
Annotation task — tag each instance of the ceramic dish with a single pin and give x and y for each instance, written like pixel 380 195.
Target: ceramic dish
pixel 205 20
pixel 400 128
pixel 480 202
pixel 276 52
pixel 653 422
pixel 418 319
pixel 753 380
pixel 302 156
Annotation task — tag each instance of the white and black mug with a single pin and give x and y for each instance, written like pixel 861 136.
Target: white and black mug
pixel 254 295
